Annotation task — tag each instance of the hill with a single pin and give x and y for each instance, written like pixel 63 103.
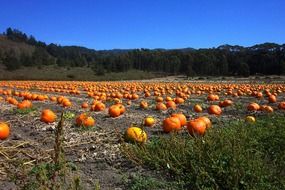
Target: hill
pixel 20 52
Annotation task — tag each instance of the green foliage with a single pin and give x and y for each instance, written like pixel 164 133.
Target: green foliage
pixel 25 111
pixel 237 155
pixel 146 182
pixel 68 115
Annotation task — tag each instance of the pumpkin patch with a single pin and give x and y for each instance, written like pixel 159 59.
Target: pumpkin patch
pixel 131 113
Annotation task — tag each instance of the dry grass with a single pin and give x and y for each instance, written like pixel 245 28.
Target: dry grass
pixel 75 73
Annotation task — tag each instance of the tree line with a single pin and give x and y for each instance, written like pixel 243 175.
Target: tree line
pixel 266 59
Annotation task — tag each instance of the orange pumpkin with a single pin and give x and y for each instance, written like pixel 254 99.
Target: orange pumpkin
pixel 84 105
pixel 181 117
pixel 100 106
pixel 253 106
pixel 53 99
pixel 272 99
pixel 179 100
pixel 161 106
pixel 48 116
pixel 198 108
pixel 206 120
pixel 24 104
pixel 159 99
pixel 268 109
pixel 168 98
pixel 171 104
pixel 4 130
pixel 225 103
pixel 171 124
pixel 88 122
pixel 114 111
pixel 143 104
pixel 122 108
pixel 213 97
pixel 215 109
pixel 85 120
pixel 281 105
pixel 196 127
pixel 80 119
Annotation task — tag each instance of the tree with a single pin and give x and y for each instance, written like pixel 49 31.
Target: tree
pixel 282 66
pixel 11 62
pixel 32 40
pixel 26 60
pixel 189 71
pixel 243 69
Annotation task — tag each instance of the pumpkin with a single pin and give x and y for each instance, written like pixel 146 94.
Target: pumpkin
pixel 89 122
pixel 250 119
pixel 225 103
pixel 207 121
pixel 122 108
pixel 147 94
pixel 114 111
pixel 24 104
pixel 85 120
pixel 53 99
pixel 80 119
pixel 259 95
pixel 143 104
pixel 181 118
pixel 198 108
pixel 171 104
pixel 48 116
pixel 272 99
pixel 171 124
pixel 160 106
pixel 159 99
pixel 196 127
pixel 268 109
pixel 4 130
pixel 179 100
pixel 84 105
pixel 66 103
pixel 100 106
pixel 213 97
pixel 135 134
pixel 253 106
pixel 215 109
pixel 149 121
pixel 281 105
pixel 168 98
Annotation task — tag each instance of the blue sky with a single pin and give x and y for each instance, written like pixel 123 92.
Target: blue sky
pixel 109 24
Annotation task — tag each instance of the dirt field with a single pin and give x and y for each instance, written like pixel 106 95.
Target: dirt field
pixel 96 151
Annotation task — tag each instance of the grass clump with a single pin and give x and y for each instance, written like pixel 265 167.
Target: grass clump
pixel 140 182
pixel 236 155
pixel 25 111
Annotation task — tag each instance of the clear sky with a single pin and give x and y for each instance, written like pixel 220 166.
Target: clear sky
pixel 108 24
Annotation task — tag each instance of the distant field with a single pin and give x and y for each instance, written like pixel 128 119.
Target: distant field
pixel 75 73
pixel 86 74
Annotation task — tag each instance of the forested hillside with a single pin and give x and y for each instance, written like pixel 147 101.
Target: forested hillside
pixel 17 50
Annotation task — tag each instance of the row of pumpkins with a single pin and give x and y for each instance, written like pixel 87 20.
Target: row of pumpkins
pixel 174 123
